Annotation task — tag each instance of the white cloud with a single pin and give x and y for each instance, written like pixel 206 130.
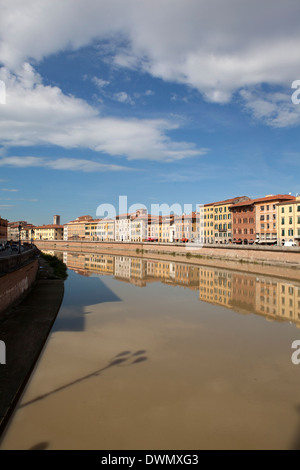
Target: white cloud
pixel 73 164
pixel 275 109
pixel 35 114
pixel 215 46
pixel 9 190
pixel 123 97
pixel 99 82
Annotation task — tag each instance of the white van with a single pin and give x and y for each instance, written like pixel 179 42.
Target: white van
pixel 290 243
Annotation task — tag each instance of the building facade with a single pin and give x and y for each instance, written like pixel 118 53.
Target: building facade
pixel 3 230
pixel 49 232
pixel 288 215
pixel 267 217
pixel 223 219
pixel 27 233
pixel 185 227
pixel 14 229
pixel 106 230
pixel 75 230
pixel 215 221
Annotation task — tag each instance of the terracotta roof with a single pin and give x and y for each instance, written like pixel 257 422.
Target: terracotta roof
pixel 226 201
pixel 93 221
pixel 295 201
pixel 277 197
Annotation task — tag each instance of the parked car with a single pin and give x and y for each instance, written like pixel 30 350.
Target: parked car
pixel 14 247
pixel 290 243
pixel 2 247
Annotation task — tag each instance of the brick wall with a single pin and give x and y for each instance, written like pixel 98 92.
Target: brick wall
pixel 13 285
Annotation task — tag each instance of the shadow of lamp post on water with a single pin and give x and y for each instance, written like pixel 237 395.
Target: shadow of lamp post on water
pixel 125 358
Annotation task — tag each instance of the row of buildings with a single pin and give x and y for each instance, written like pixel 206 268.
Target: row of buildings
pixel 270 219
pixel 273 298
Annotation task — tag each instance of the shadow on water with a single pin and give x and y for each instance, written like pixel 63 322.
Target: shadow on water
pixel 40 446
pixel 80 292
pixel 296 443
pixel 117 361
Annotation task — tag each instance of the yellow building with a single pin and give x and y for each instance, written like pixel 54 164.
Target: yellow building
pixel 75 230
pixel 27 233
pixel 215 221
pixel 288 222
pixel 49 232
pixel 104 264
pixel 215 286
pixel 205 228
pixel 100 230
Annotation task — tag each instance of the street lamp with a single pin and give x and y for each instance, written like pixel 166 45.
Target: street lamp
pixel 32 232
pixel 19 228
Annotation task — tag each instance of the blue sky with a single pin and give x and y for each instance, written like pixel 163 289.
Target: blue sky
pixel 162 101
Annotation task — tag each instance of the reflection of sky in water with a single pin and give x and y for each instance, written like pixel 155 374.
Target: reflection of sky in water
pixel 81 292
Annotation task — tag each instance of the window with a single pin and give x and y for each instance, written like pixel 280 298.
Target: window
pixel 290 209
pixel 282 210
pixel 262 208
pixel 290 220
pixel 267 208
pixel 282 220
pixel 283 232
pixel 291 232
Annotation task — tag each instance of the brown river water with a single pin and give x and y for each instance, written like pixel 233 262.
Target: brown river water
pixel 164 355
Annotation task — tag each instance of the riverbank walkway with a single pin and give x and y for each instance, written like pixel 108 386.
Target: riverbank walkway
pixel 24 329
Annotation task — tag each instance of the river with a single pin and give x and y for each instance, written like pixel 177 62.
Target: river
pixel 164 355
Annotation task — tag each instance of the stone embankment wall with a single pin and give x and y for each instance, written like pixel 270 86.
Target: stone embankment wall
pixel 17 274
pixel 253 253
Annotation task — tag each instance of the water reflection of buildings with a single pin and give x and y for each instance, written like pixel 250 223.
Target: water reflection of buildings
pixel 242 292
pixel 247 293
